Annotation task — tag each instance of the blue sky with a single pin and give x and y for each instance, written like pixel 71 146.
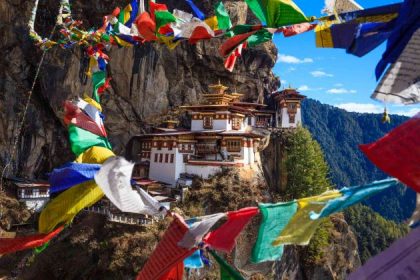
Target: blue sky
pixel 330 75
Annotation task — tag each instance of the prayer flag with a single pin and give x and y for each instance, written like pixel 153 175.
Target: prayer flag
pixel 167 253
pixel 275 217
pixel 231 59
pixel 11 245
pixel 63 208
pixel 93 103
pixel 163 18
pixel 277 13
pixel 351 196
pixel 196 10
pixel 71 174
pixel 259 37
pixel 323 35
pixel 398 153
pixel 146 27
pixel 223 19
pixel 81 140
pixel 98 80
pixel 298 29
pixel 194 261
pixel 300 229
pixel 198 229
pixel 89 106
pixel 226 271
pixel 129 14
pixel 114 178
pixel 75 116
pixel 95 154
pixel 176 273
pixel 223 238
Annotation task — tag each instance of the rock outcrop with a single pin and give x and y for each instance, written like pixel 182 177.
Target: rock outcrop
pixel 147 81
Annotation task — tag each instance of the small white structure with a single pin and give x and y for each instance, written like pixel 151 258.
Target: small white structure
pixel 288 108
pixel 34 195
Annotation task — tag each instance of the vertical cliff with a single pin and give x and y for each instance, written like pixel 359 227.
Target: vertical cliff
pixel 147 80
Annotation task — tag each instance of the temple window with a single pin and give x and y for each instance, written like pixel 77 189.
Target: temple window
pixel 233 145
pixel 208 122
pixel 166 158
pixel 236 123
pixel 156 157
pixel 292 119
pixel 172 158
pixel 160 157
pixel 29 192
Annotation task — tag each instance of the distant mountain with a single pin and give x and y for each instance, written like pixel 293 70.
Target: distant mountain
pixel 339 133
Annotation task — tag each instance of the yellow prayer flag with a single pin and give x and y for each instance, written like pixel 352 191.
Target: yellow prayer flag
pixel 92 102
pixel 95 154
pixel 300 228
pixel 212 22
pixel 323 34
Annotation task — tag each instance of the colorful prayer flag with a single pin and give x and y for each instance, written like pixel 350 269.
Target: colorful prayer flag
pixel 167 253
pixel 398 153
pixel 275 217
pixel 11 245
pixel 223 238
pixel 226 271
pixel 75 116
pixel 277 13
pixel 351 196
pixel 198 229
pixel 114 178
pixel 223 19
pixel 71 174
pixel 81 140
pixel 298 29
pixel 300 228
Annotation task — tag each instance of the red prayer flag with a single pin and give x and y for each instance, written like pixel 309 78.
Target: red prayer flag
pixel 156 7
pixel 231 59
pixel 74 115
pixel 167 254
pixel 176 273
pixel 398 153
pixel 223 238
pixel 199 33
pixel 298 28
pixel 146 26
pixel 10 245
pixel 232 43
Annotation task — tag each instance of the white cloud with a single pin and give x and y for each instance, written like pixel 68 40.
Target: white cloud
pixel 338 85
pixel 291 69
pixel 304 88
pixel 340 91
pixel 361 107
pixel 319 74
pixel 292 59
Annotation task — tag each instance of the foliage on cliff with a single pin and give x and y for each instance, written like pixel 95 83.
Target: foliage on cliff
pixel 305 166
pixel 374 233
pixel 339 133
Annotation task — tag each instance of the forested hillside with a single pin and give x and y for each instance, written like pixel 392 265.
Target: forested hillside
pixel 339 133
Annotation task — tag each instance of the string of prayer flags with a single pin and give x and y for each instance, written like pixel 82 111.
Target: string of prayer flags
pixel 406 24
pixel 223 19
pixel 223 238
pixel 299 28
pixel 400 81
pixel 167 253
pixel 75 116
pixel 227 272
pixel 198 229
pixel 100 83
pixel 277 13
pixel 71 174
pixel 351 196
pixel 301 228
pixel 114 178
pixel 81 140
pixel 398 153
pixel 11 245
pixel 275 218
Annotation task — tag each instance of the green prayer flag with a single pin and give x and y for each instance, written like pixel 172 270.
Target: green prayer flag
pixel 223 19
pixel 259 37
pixel 98 80
pixel 163 18
pixel 81 140
pixel 275 217
pixel 226 271
pixel 40 249
pixel 277 13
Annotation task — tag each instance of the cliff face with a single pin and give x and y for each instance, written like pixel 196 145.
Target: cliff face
pixel 147 80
